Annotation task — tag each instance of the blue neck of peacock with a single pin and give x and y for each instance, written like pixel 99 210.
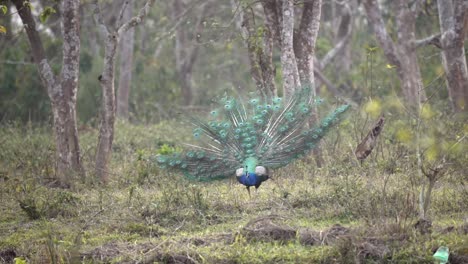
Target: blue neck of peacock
pixel 249 179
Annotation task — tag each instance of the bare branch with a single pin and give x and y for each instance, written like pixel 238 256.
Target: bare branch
pixel 37 48
pixel 431 40
pixel 180 19
pixel 16 62
pixel 331 54
pixel 121 14
pixel 98 18
pixel 137 19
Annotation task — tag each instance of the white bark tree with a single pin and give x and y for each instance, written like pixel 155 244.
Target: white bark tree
pixel 453 17
pixel 401 54
pixel 106 79
pixel 62 88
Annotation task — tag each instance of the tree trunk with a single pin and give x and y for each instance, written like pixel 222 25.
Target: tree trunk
pixel 186 50
pixel 62 90
pixel 402 54
pixel 452 17
pixel 305 54
pixel 106 128
pixel 126 66
pixel 343 67
pixel 306 38
pixel 410 73
pixel 288 59
pixel 106 80
pixel 260 53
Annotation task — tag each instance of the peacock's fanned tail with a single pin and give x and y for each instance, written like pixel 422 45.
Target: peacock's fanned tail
pixel 272 130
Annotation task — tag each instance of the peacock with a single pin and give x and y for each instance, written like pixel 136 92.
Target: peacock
pixel 248 137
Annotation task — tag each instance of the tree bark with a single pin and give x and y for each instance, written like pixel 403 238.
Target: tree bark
pixel 126 65
pixel 62 89
pixel 402 54
pixel 106 80
pixel 305 54
pixel 186 50
pixel 452 18
pixel 307 36
pixel 288 59
pixel 260 52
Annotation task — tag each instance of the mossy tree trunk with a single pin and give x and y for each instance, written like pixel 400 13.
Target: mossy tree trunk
pixel 62 89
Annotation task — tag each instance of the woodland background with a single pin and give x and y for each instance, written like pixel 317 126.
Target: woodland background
pixel 91 90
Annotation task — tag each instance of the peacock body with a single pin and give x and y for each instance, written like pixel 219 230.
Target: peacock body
pixel 248 137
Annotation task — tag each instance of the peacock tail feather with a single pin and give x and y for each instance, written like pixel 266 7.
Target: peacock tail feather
pixel 241 133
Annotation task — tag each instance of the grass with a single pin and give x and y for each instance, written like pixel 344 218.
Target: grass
pixel 342 213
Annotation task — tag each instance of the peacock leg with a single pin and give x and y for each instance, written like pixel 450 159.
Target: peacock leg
pixel 248 190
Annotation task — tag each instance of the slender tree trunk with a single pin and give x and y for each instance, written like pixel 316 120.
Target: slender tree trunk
pixel 260 53
pixel 412 84
pixel 62 90
pixel 288 60
pixel 343 66
pixel 452 18
pixel 305 54
pixel 106 80
pixel 126 66
pixel 402 54
pixel 307 36
pixel 186 50
pixel 106 127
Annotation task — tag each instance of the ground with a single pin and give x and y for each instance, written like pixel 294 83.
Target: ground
pixel 345 212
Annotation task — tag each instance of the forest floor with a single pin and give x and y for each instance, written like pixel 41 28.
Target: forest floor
pixel 344 212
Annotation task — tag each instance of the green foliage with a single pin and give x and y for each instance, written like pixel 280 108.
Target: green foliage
pixel 165 149
pixel 20 261
pixel 38 202
pixel 4 9
pixel 46 13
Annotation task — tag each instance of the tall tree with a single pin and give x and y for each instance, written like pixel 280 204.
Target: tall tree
pixel 62 89
pixel 126 65
pixel 260 50
pixel 401 54
pixel 186 46
pixel 453 17
pixel 106 79
pixel 296 45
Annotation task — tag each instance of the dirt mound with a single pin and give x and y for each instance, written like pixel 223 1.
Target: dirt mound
pixel 327 237
pixel 265 229
pixel 7 255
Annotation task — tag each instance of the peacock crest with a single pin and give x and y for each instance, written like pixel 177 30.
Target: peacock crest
pixel 247 137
